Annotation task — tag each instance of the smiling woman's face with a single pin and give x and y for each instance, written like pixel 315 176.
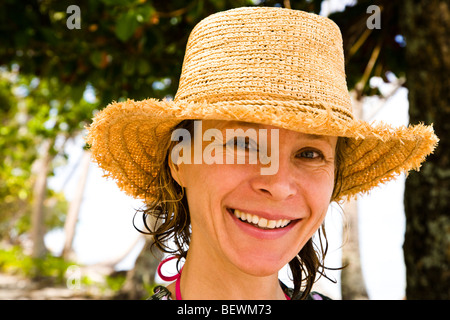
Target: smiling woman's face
pixel 253 222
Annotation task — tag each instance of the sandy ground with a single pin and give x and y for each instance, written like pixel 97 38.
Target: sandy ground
pixel 14 287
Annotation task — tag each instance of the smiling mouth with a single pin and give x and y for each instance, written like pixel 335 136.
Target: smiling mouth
pixel 260 222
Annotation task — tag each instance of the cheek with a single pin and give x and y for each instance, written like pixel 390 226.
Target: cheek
pixel 207 186
pixel 320 196
pixel 318 184
pixel 316 192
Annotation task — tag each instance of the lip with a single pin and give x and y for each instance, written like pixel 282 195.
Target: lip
pixel 263 234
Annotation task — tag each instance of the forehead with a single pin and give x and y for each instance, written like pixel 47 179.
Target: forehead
pixel 223 124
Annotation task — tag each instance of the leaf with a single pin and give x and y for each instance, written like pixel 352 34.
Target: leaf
pixel 126 25
pixel 76 93
pixel 143 67
pixel 129 67
pixel 96 58
pixel 144 12
pixel 118 2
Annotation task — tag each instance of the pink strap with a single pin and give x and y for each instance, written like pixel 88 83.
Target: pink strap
pixel 165 278
pixel 171 278
pixel 177 288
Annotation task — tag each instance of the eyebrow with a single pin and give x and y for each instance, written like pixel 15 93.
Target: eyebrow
pixel 318 137
pixel 308 136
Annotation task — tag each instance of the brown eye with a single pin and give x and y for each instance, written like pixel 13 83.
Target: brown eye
pixel 311 154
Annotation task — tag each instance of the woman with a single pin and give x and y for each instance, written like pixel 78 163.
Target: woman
pixel 240 168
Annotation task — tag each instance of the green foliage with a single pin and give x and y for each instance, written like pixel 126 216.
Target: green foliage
pixel 53 271
pixel 115 283
pixel 16 262
pixel 32 113
pixel 131 19
pixel 124 49
pixel 149 288
pixel 360 43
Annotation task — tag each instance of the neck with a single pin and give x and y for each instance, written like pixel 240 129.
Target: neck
pixel 208 277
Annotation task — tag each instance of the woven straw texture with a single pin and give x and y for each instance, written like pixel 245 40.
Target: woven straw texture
pixel 264 65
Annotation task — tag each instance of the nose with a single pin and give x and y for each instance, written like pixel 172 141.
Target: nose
pixel 279 186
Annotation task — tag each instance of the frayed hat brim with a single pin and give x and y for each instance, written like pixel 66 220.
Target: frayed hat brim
pixel 124 137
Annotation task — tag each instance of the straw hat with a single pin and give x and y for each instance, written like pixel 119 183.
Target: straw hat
pixel 272 66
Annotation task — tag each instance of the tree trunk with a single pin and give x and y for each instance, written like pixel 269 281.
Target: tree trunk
pixel 74 208
pixel 426 27
pixel 352 280
pixel 41 169
pixel 143 273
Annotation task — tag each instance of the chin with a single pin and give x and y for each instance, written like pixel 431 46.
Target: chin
pixel 260 263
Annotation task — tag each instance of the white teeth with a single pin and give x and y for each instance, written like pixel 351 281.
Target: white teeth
pixel 271 224
pixel 261 222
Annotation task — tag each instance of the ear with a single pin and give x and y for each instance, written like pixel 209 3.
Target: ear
pixel 176 172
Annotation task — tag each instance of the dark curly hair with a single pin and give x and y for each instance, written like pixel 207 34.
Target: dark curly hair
pixel 166 218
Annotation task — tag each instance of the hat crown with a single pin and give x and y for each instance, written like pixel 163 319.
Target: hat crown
pixel 258 54
pixel 273 66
